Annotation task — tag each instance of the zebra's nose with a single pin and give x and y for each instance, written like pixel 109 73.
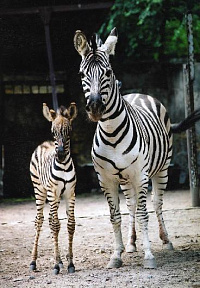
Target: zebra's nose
pixel 95 104
pixel 61 153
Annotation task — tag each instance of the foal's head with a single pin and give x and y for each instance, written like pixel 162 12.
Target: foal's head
pixel 61 127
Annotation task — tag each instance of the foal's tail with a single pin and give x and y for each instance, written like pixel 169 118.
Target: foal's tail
pixel 186 123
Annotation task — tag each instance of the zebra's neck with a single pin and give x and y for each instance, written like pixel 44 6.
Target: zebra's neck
pixel 115 110
pixel 67 158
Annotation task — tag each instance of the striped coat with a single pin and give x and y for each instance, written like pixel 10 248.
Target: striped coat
pixel 132 143
pixel 53 175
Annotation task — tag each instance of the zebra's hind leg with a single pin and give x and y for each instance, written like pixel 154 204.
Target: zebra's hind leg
pixel 159 183
pixel 142 217
pixel 70 203
pixel 54 224
pixel 40 195
pixel 130 196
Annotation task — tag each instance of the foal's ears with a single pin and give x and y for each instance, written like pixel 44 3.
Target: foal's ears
pixel 50 115
pixel 83 48
pixel 70 112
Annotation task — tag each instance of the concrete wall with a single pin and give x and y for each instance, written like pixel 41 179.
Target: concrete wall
pixel 166 83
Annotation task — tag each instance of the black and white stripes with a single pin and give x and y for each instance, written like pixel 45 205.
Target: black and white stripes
pixel 53 175
pixel 132 143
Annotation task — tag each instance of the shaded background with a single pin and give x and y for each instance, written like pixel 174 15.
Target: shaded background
pixel 25 85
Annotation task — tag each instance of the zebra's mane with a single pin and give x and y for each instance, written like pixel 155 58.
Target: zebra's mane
pixel 95 42
pixel 61 111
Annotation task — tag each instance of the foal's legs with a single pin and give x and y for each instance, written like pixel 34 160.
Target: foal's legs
pixel 70 203
pixel 40 195
pixel 54 224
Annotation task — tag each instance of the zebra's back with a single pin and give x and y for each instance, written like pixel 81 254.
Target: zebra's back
pixel 156 126
pixel 41 158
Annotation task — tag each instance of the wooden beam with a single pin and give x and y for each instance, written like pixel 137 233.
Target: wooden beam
pixel 60 8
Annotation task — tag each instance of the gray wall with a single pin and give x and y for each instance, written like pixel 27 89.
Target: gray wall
pixel 166 83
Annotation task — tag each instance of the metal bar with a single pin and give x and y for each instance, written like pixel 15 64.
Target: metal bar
pixel 46 15
pixel 189 108
pixel 60 8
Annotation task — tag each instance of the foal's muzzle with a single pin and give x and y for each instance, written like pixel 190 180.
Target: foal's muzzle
pixel 60 153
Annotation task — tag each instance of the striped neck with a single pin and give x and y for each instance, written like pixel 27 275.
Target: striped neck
pixel 115 109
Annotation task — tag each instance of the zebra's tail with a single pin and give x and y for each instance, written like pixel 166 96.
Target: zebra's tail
pixel 186 123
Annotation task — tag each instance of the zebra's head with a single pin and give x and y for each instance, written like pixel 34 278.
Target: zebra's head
pixel 61 127
pixel 96 73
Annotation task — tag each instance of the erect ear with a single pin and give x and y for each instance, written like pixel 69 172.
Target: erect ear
pixel 72 110
pixel 110 43
pixel 50 115
pixel 81 44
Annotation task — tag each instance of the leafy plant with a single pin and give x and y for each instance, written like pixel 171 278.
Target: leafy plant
pixel 153 29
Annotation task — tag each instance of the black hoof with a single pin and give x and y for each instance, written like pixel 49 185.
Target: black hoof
pixel 33 266
pixel 56 269
pixel 71 268
pixel 60 264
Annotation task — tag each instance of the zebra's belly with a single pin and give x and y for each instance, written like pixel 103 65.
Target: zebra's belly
pixel 59 182
pixel 114 164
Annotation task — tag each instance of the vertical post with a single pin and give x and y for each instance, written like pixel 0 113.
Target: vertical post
pixel 189 108
pixel 46 16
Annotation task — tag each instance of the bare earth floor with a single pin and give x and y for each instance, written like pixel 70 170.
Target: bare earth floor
pixel 93 245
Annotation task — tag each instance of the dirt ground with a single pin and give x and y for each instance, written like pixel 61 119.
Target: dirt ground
pixel 93 245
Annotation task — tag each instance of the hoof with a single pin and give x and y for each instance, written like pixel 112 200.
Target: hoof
pixel 168 246
pixel 33 266
pixel 150 263
pixel 114 263
pixel 60 264
pixel 56 269
pixel 71 268
pixel 130 248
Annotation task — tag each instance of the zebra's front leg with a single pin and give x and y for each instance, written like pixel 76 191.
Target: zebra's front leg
pixel 130 196
pixel 54 224
pixel 142 216
pixel 70 203
pixel 40 202
pixel 112 197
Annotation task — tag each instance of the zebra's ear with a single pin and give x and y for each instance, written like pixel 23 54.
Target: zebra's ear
pixel 50 115
pixel 110 43
pixel 72 111
pixel 81 44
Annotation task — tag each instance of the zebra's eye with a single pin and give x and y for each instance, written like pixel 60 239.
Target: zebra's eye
pixel 108 72
pixel 81 74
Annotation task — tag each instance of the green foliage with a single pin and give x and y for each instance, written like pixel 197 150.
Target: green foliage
pixel 153 29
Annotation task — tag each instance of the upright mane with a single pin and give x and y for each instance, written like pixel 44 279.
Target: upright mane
pixel 95 42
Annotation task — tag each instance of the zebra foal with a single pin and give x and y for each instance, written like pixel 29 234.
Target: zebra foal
pixel 53 175
pixel 132 143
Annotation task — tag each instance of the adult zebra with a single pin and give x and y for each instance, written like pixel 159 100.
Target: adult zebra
pixel 53 175
pixel 132 143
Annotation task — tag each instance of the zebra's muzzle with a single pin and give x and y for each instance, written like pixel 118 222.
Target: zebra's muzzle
pixel 60 151
pixel 95 107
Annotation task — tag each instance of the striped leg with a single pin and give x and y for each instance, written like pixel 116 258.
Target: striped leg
pixel 54 224
pixel 70 203
pixel 130 196
pixel 159 183
pixel 142 217
pixel 40 195
pixel 112 196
